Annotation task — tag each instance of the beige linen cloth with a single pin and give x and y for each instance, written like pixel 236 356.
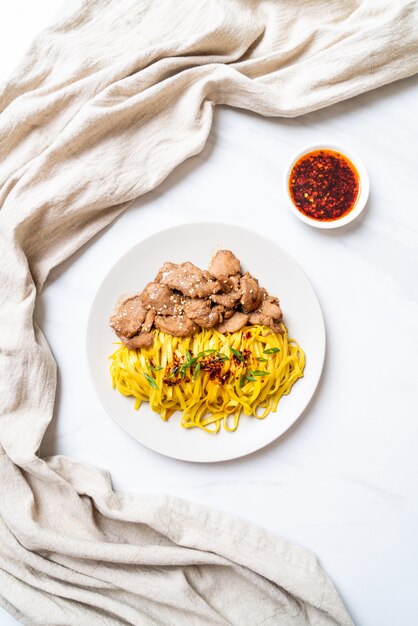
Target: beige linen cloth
pixel 107 101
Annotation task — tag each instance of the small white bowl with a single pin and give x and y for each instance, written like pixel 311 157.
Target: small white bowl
pixel 363 194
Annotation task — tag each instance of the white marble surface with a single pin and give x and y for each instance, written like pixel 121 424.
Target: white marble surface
pixel 343 482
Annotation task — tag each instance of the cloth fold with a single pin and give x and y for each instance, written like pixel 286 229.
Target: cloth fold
pixel 106 103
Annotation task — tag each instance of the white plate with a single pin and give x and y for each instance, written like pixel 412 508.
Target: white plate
pixel 276 271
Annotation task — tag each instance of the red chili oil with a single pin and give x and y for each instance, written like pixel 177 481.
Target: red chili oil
pixel 324 185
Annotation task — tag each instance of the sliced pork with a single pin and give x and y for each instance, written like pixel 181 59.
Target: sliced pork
pixel 269 314
pixel 162 299
pixel 176 325
pixel 227 300
pixel 251 294
pixel 272 309
pixel 234 323
pixel 144 340
pixel 202 313
pixel 183 299
pixel 149 321
pixel 211 319
pixel 224 263
pixel 188 279
pixel 129 316
pixel 196 307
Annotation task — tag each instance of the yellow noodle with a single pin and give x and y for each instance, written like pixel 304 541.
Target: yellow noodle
pixel 206 403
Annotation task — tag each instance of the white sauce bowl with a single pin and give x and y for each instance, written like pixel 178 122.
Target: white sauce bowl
pixel 362 197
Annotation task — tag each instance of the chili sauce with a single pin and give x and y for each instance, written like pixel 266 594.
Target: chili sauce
pixel 324 185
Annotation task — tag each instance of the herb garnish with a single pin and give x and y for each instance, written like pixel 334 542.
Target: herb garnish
pixel 271 351
pixel 237 354
pixel 252 375
pixel 204 353
pixel 259 373
pixel 150 380
pixel 188 363
pixel 173 372
pixel 196 371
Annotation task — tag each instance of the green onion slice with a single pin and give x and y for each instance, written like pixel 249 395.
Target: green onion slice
pixel 237 353
pixel 196 371
pixel 259 373
pixel 150 380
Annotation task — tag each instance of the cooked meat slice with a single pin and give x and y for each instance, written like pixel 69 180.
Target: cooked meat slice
pixel 144 340
pixel 264 320
pixel 196 307
pixel 176 325
pixel 207 275
pixel 224 263
pixel 234 323
pixel 206 289
pixel 162 299
pixel 128 316
pixel 264 296
pixel 220 309
pixel 188 279
pixel 271 309
pixel 228 300
pixel 251 294
pixel 199 310
pixel 225 284
pixel 211 319
pixel 184 298
pixel 229 283
pixel 257 317
pixel 269 314
pixel 235 280
pixel 149 321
